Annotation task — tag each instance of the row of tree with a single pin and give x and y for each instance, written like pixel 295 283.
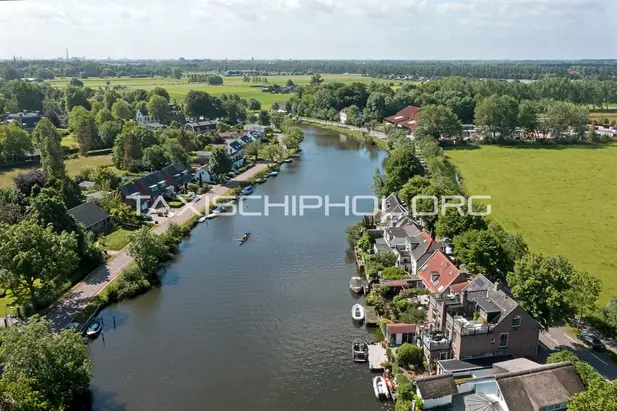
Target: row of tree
pixel 603 69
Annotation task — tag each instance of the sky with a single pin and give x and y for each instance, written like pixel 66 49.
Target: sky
pixel 309 29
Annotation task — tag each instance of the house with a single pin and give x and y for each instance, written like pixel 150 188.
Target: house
pixel 440 275
pixel 133 197
pixel 392 209
pixel 203 174
pixel 406 118
pixel 201 126
pixel 256 128
pixel 475 319
pixel 26 120
pixel 235 152
pixel 203 157
pixel 400 333
pixel 143 118
pixel 91 216
pixel 154 185
pixel 281 106
pixel 512 385
pixel 343 115
pixel 436 390
pixel 177 175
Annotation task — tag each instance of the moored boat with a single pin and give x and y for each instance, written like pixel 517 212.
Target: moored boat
pixel 356 285
pixel 247 190
pixel 217 210
pixel 357 312
pixel 287 160
pixel 202 219
pixel 274 173
pixel 260 180
pixel 380 388
pixel 95 328
pixel 359 350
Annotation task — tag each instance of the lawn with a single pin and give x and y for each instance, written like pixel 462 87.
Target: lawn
pixel 73 167
pixel 178 88
pixel 601 115
pixel 116 240
pixel 562 200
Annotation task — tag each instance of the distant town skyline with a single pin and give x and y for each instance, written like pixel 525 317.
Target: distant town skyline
pixel 310 29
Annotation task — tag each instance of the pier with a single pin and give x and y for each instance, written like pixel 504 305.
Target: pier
pixel 376 357
pixel 370 316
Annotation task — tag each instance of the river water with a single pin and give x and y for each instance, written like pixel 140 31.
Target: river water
pixel 265 326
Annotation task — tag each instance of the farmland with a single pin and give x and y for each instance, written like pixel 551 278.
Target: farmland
pixel 178 88
pixel 562 200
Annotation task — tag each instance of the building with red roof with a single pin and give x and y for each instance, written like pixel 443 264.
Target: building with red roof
pixel 439 274
pixel 406 118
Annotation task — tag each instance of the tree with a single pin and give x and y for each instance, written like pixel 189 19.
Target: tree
pixel 155 158
pixel 129 145
pixel 9 73
pixel 542 286
pixel 584 292
pixel 497 116
pixel 76 97
pixel 254 104
pixel 175 152
pixel 293 137
pixel 176 72
pixel 43 371
pixel 289 83
pixel 48 140
pixel 408 354
pixel 377 106
pixel 76 82
pixel 23 95
pixel 104 178
pixel 528 116
pixel 12 206
pixel 587 373
pixel 147 249
pixel 401 166
pixel 201 104
pixel 252 149
pixel 215 80
pixel 393 273
pixel 34 258
pixel 277 119
pixel 610 312
pixel 103 116
pixel 48 209
pixel 272 152
pixel 365 243
pixel 599 396
pixel 220 164
pixel 159 91
pixel 14 141
pixel 264 118
pixel 82 122
pixel 108 131
pixel 439 120
pixel 316 79
pixel 26 182
pixel 414 187
pixel 158 107
pixel 452 223
pixel 122 110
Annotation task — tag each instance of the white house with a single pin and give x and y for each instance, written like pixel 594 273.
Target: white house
pixel 343 115
pixel 400 333
pixel 436 390
pixel 202 174
pixel 235 152
pixel 142 116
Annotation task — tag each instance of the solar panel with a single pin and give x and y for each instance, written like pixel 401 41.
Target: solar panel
pixel 436 282
pixel 480 282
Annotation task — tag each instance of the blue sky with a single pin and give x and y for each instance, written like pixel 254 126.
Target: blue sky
pixel 310 29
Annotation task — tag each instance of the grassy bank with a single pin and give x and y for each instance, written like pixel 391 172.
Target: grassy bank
pixel 562 199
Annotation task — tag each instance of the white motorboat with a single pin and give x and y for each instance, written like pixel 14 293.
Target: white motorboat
pixel 202 219
pixel 380 387
pixel 357 312
pixel 287 160
pixel 359 350
pixel 356 285
pixel 217 210
pixel 210 216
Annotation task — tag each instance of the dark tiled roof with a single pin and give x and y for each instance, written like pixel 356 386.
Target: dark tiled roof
pixel 436 386
pixel 178 173
pixel 236 146
pixel 246 138
pixel 128 189
pixel 152 181
pixel 473 363
pixel 143 111
pixel 29 119
pixel 88 214
pixel 532 389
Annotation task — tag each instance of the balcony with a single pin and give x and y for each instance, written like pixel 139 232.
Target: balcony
pixel 435 342
pixel 464 326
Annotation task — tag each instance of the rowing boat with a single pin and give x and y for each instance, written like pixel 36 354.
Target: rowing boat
pixel 245 238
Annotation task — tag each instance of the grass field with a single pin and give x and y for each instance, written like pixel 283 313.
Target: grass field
pixel 562 200
pixel 232 85
pixel 116 240
pixel 73 167
pixel 601 115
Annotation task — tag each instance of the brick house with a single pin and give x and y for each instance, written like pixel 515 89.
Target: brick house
pixel 478 320
pixel 406 118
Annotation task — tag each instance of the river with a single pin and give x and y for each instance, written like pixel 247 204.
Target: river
pixel 265 326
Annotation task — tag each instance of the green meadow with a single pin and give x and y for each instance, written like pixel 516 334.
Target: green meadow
pixel 562 199
pixel 178 88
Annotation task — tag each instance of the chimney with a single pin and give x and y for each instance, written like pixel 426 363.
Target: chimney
pixel 464 298
pixel 497 286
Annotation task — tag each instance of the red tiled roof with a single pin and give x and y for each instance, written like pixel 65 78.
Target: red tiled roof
pixel 406 117
pixel 394 283
pixel 445 269
pixel 458 287
pixel 400 328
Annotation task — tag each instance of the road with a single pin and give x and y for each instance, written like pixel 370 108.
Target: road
pixel 557 338
pixel 94 283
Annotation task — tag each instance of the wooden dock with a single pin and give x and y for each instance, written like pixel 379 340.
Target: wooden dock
pixel 376 357
pixel 370 316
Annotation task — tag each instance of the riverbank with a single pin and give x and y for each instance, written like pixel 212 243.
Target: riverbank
pixel 375 138
pixel 88 296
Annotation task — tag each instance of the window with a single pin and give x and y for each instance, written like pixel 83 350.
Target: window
pixel 516 321
pixel 443 355
pixel 503 340
pixel 492 340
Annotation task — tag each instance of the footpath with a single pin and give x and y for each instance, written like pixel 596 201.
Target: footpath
pixel 94 283
pixel 373 133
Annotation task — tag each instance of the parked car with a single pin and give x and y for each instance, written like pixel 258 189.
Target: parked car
pixel 592 341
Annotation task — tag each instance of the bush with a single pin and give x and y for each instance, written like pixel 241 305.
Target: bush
pixel 379 334
pixel 394 273
pixel 408 354
pixel 130 283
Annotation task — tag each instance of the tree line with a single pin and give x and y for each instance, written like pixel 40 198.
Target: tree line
pixel 601 69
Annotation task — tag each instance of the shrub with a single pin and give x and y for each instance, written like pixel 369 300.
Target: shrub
pixel 393 273
pixel 379 334
pixel 408 354
pixel 365 243
pixel 130 283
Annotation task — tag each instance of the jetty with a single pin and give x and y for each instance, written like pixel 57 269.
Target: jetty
pixel 376 356
pixel 370 316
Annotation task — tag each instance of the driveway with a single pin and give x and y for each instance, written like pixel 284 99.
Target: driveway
pixel 83 292
pixel 556 338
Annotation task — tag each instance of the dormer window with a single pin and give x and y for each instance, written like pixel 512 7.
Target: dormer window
pixel 516 321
